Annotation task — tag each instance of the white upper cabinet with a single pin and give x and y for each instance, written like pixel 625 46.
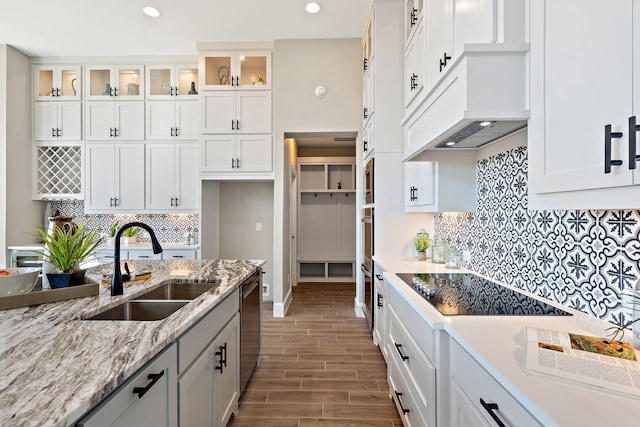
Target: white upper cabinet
pixel 172 180
pixel 236 112
pixel 412 17
pixel 105 82
pixel 585 78
pixel 230 70
pixel 414 65
pixel 115 120
pixel 236 153
pixel 57 121
pixel 172 81
pixel 114 177
pixel 57 82
pixel 172 120
pixel 367 44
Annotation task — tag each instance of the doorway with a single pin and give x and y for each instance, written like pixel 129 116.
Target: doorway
pixel 323 223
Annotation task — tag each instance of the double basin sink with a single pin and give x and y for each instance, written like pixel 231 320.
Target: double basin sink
pixel 157 303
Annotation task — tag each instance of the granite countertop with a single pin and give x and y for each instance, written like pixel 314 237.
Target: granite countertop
pixel 56 366
pixel 498 343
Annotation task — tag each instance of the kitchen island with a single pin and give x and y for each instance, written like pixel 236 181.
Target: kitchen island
pixel 57 366
pixel 496 345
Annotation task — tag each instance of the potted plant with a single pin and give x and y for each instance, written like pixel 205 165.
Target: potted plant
pixel 113 229
pixel 66 249
pixel 129 234
pixel 422 243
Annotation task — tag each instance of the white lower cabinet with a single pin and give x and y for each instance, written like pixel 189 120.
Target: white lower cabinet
pixel 411 359
pixel 209 389
pixel 381 312
pixel 146 399
pixel 114 176
pixel 477 399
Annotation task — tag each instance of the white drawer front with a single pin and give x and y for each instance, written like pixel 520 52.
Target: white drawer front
pixel 403 397
pixel 478 384
pixel 420 331
pixel 177 254
pixel 144 254
pixel 418 372
pixel 196 339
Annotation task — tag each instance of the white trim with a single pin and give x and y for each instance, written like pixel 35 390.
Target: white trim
pixel 359 307
pixel 280 309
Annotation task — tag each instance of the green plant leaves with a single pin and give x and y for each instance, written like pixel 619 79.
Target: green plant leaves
pixel 66 249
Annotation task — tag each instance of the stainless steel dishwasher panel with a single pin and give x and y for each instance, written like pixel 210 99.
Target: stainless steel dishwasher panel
pixel 250 327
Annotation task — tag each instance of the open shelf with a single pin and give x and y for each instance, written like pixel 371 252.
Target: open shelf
pixel 310 271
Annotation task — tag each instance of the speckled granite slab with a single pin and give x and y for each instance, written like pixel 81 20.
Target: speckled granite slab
pixel 56 366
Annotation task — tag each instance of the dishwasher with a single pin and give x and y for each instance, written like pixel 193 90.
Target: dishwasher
pixel 250 327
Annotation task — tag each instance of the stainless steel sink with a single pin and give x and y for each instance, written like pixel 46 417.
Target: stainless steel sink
pixel 178 291
pixel 140 310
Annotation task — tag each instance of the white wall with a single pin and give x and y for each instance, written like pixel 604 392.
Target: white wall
pixel 18 212
pixel 299 67
pixel 210 220
pixel 242 206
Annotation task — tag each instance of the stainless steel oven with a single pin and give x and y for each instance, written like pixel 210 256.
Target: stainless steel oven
pixel 368 182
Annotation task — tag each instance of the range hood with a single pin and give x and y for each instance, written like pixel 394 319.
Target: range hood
pixel 479 133
pixel 482 97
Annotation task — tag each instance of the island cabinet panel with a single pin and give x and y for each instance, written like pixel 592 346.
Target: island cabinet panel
pixel 148 398
pixel 478 399
pixel 209 389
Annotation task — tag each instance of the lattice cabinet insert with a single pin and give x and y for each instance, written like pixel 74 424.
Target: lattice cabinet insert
pixel 58 171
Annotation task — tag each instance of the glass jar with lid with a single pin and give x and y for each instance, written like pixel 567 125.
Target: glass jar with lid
pixel 440 251
pixel 455 259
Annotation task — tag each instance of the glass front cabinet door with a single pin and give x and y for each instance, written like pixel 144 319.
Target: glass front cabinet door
pixel 115 81
pixel 57 82
pixel 236 70
pixel 172 81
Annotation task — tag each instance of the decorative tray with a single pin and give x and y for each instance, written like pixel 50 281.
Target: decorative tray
pixel 41 296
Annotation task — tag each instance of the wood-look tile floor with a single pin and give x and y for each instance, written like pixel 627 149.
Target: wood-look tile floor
pixel 319 366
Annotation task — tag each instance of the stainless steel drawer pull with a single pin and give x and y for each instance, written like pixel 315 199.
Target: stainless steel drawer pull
pixel 491 408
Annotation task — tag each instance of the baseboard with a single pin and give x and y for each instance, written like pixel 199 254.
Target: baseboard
pixel 359 307
pixel 280 309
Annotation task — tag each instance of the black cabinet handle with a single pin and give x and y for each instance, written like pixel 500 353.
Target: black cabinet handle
pixel 365 112
pixel 115 132
pixel 414 16
pixel 608 135
pixel 634 128
pixel 170 90
pixel 444 60
pixel 380 305
pixel 402 408
pixel 233 123
pixel 172 202
pixel 366 145
pixel 237 163
pixel 176 199
pixel 177 256
pixel 53 92
pixel 143 256
pixel 366 64
pixel 237 124
pixel 176 128
pixel 58 91
pixel 115 201
pixel 414 82
pixel 402 355
pixel 141 391
pixel 53 132
pixel 171 131
pixel 379 277
pixel 491 408
pixel 111 132
pixel 223 358
pixel 115 91
pixel 58 132
pixel 177 93
pixel 233 163
pixel 110 201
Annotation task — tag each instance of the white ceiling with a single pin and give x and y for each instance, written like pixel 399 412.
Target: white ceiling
pixel 48 28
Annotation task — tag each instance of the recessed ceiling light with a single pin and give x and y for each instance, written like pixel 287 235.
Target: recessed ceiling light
pixel 485 124
pixel 151 11
pixel 450 143
pixel 312 7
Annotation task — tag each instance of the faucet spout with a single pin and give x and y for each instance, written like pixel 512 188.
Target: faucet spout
pixel 116 279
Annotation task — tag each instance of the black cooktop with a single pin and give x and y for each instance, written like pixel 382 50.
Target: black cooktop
pixel 469 294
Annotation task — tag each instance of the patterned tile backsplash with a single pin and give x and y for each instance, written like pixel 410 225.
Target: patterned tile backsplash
pixel 168 227
pixel 581 259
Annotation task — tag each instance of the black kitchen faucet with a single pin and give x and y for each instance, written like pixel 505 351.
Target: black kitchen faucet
pixel 116 279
